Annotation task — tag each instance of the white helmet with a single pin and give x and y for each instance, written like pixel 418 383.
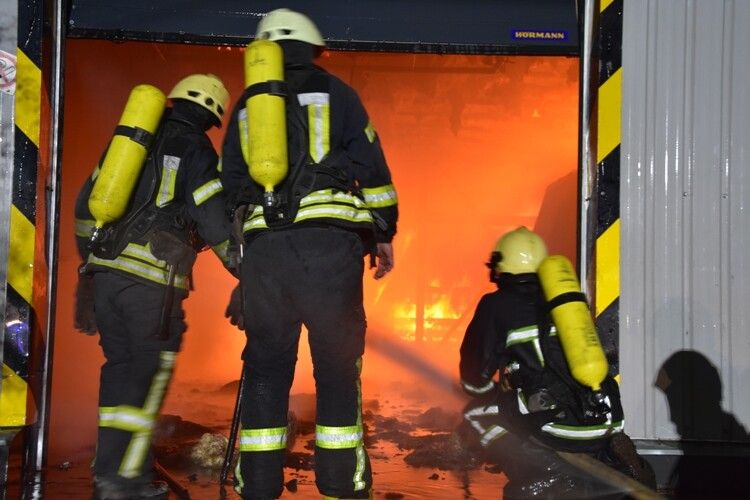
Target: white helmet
pixel 285 24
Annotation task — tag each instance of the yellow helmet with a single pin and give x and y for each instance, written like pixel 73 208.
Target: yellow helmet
pixel 519 251
pixel 285 24
pixel 206 90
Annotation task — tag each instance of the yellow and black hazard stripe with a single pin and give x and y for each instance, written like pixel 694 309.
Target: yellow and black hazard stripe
pixel 19 311
pixel 609 105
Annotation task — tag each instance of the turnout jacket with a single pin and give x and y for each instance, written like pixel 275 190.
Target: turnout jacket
pixel 326 125
pixel 178 191
pixel 512 332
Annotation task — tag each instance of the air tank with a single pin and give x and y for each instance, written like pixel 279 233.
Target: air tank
pixel 125 156
pixel 266 151
pixel 572 318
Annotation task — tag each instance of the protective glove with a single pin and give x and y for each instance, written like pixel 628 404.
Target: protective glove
pixel 85 319
pixel 234 309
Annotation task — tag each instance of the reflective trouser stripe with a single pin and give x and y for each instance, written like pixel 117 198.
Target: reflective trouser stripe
pixel 240 482
pixel 359 471
pixel 125 418
pixel 270 439
pixel 583 432
pixel 135 455
pixel 337 438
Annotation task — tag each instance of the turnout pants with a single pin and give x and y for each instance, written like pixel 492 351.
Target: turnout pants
pixel 310 276
pixel 135 375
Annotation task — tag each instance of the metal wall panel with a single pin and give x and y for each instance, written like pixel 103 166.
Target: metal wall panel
pixel 685 192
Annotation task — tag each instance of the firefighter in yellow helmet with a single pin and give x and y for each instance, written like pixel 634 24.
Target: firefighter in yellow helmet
pixel 304 264
pixel 135 274
pixel 535 396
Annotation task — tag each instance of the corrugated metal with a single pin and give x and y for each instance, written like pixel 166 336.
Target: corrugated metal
pixel 685 192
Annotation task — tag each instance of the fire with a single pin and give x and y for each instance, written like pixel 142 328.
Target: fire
pixel 436 319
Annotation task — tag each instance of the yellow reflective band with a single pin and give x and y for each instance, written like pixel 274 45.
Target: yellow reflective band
pixel 140 269
pixel 340 212
pixel 206 191
pixel 219 165
pixel 492 434
pixel 341 206
pixel 222 251
pixel 359 471
pixel 263 439
pixel 126 418
pixel 583 432
pixel 318 117
pixel 240 483
pixel 526 334
pixel 140 442
pixel 370 132
pixel 379 197
pixel 478 390
pixel 168 180
pixel 243 130
pixel 84 227
pixel 336 438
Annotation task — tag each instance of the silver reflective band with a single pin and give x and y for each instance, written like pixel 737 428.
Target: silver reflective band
pixel 206 191
pixel 478 390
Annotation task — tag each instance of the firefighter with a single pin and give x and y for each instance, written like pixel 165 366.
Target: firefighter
pixel 536 407
pixel 304 265
pixel 139 275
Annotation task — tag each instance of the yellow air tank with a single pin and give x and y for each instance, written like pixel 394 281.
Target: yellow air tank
pixel 572 318
pixel 126 155
pixel 264 130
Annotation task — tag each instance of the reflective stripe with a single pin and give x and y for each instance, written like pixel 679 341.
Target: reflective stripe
pixel 140 442
pixel 319 205
pixel 243 131
pixel 206 191
pixel 126 418
pixel 583 432
pixel 526 334
pixel 318 118
pixel 317 98
pixel 168 180
pixel 522 402
pixel 359 470
pixel 337 438
pixel 492 434
pixel 140 269
pixel 370 131
pixel 95 173
pixel 239 481
pixel 219 165
pixel 84 227
pixel 474 415
pixel 222 251
pixel 379 197
pixel 270 439
pixel 478 390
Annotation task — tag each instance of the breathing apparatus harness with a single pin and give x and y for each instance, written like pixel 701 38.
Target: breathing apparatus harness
pixel 550 390
pixel 164 227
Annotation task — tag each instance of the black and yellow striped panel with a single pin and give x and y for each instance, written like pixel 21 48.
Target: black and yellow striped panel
pixel 19 311
pixel 609 105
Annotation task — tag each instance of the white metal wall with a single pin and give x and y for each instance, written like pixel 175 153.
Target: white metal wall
pixel 685 195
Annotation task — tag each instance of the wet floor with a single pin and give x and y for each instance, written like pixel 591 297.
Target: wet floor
pixel 410 440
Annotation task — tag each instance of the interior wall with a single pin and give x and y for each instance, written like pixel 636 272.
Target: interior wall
pixel 477 145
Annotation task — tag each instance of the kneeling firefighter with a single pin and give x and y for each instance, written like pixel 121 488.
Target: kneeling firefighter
pixel 554 392
pixel 152 203
pixel 305 238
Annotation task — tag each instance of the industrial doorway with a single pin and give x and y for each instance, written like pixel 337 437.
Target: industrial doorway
pixel 477 144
